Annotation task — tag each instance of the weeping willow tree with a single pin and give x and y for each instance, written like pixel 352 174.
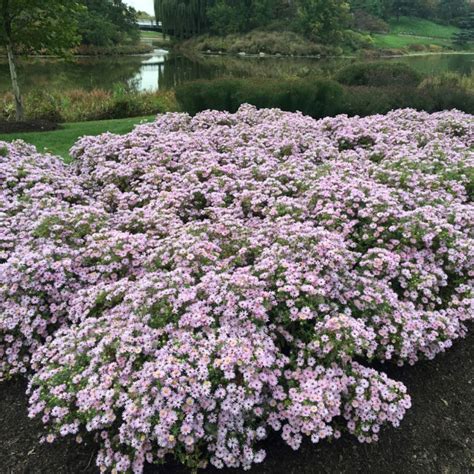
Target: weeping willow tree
pixel 182 18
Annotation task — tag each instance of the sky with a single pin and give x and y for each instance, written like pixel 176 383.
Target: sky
pixel 143 5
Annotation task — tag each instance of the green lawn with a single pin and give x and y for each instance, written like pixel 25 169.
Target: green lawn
pixel 155 38
pixel 151 34
pixel 393 41
pixel 420 27
pixel 59 142
pixel 409 31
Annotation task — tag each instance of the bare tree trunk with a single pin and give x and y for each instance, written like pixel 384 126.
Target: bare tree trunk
pixel 16 88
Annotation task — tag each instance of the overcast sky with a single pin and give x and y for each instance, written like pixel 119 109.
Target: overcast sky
pixel 143 5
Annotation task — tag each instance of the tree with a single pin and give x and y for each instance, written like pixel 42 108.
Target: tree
pixel 144 16
pixel 186 18
pixel 452 9
pixel 107 22
pixel 466 33
pixel 403 7
pixel 36 25
pixel 182 18
pixel 239 16
pixel 323 20
pixel 373 7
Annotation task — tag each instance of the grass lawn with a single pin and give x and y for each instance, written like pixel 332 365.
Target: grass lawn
pixel 420 27
pixel 155 38
pixel 394 41
pixel 152 34
pixel 411 30
pixel 59 142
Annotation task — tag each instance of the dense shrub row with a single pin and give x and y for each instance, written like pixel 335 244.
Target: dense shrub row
pixel 378 75
pixel 361 89
pixel 82 105
pixel 189 287
pixel 318 98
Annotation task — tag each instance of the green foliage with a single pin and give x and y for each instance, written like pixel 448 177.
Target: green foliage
pixel 452 9
pixel 378 74
pixel 188 18
pixel 182 19
pixel 315 97
pixel 403 7
pixel 36 26
pixel 373 7
pixel 238 16
pixel 323 20
pixel 107 22
pixel 448 91
pixel 386 9
pixel 466 34
pixel 365 100
pixel 226 19
pixel 364 21
pixel 392 87
pixel 40 25
pixel 355 40
pixel 42 106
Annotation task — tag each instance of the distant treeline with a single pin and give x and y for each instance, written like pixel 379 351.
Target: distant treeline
pixel 320 20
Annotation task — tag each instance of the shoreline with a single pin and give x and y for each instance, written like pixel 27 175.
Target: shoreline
pixel 243 54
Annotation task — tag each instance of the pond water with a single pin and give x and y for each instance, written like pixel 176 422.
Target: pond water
pixel 163 70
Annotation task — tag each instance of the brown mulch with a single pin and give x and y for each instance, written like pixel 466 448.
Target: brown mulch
pixel 28 126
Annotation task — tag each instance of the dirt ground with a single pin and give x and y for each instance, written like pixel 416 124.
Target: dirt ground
pixel 30 126
pixel 437 435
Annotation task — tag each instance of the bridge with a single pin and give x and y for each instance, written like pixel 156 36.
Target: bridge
pixel 150 25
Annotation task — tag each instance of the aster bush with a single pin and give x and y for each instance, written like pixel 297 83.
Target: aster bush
pixel 190 287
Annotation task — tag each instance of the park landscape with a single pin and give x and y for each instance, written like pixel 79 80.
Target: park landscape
pixel 260 260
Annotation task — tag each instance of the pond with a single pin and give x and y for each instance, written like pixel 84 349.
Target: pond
pixel 163 70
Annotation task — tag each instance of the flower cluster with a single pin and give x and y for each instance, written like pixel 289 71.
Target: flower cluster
pixel 189 287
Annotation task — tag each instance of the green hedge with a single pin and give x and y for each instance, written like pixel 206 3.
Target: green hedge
pixel 323 97
pixel 318 97
pixel 378 75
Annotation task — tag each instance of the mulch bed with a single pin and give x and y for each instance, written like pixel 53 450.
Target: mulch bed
pixel 29 126
pixel 437 435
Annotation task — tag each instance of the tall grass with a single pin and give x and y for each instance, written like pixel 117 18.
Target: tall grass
pixel 81 105
pixel 286 43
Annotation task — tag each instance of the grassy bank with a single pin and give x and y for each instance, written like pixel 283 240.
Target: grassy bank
pixel 285 43
pixel 59 142
pixel 156 39
pixel 410 34
pixel 420 27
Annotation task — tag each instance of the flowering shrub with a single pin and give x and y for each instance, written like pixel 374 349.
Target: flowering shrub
pixel 191 286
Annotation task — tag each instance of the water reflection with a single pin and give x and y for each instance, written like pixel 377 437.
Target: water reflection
pixel 162 70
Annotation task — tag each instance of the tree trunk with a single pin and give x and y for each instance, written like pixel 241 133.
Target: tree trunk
pixel 16 88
